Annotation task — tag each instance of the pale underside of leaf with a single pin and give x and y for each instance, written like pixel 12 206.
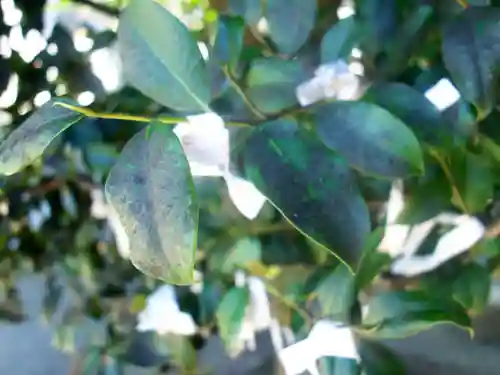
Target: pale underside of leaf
pixel 152 191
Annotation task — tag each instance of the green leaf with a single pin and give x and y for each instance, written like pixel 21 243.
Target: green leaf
pixel 414 109
pixel 151 189
pixel 471 54
pixel 472 287
pixel 372 261
pixel 271 83
pixel 290 22
pixel 230 314
pixel 245 251
pixel 426 199
pixel 398 314
pixel 377 359
pixel 339 41
pixel 250 10
pixel 406 39
pixel 377 20
pixel 311 186
pixel 26 143
pixel 228 43
pixel 336 294
pixel 338 366
pixel 161 59
pixel 181 352
pixel 369 138
pixel 474 180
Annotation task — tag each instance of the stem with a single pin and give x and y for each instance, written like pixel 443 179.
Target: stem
pixel 243 95
pixel 100 7
pixel 291 304
pixel 169 120
pixel 463 3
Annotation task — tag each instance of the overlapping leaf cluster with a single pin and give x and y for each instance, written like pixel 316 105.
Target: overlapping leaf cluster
pixel 325 168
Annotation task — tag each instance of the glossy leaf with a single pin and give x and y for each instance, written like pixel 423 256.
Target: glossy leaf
pixel 27 142
pixel 290 22
pixel 372 261
pixel 151 189
pixel 271 83
pixel 336 294
pixel 161 59
pixel 311 186
pixel 414 109
pixel 398 314
pixel 471 53
pixel 369 138
pixel 339 41
pixel 230 314
pixel 472 287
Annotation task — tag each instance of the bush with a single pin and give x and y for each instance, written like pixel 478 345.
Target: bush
pixel 345 163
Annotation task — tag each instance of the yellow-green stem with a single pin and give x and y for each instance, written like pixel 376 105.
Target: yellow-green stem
pixel 168 120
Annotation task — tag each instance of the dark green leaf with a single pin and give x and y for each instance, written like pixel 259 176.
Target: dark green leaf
pixel 369 138
pixel 475 181
pixel 336 294
pixel 311 186
pixel 372 261
pixel 27 142
pixel 339 41
pixel 377 359
pixel 290 22
pixel 230 314
pixel 427 198
pixel 398 314
pixel 414 109
pixel 407 38
pixel 272 81
pixel 228 42
pixel 471 53
pixel 161 59
pixel 377 20
pixel 151 189
pixel 250 10
pixel 472 287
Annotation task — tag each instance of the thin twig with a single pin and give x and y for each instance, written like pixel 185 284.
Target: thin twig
pixel 168 120
pixel 234 83
pixel 99 7
pixel 463 3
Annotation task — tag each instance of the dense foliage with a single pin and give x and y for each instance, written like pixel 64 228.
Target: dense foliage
pixel 272 108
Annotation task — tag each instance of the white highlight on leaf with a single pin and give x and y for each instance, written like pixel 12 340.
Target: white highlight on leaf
pixel 162 314
pixel 332 80
pixel 402 241
pixel 205 140
pixel 257 315
pixel 327 338
pixel 443 94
